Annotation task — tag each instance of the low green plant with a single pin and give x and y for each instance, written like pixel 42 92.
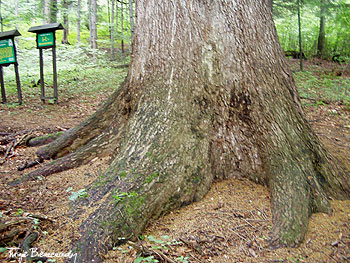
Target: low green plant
pixel 78 194
pixel 122 195
pixel 182 259
pixel 19 212
pixel 145 259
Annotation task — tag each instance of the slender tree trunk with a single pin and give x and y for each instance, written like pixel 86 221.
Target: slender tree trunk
pixel 112 30
pixel 122 24
pixel 321 44
pixel 16 13
pixel 116 17
pixel 65 7
pixel 209 96
pixel 300 44
pixel 1 20
pixel 93 24
pixel 131 14
pixel 46 11
pixel 53 11
pixel 78 21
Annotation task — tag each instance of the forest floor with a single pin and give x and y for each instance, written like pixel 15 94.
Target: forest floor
pixel 232 222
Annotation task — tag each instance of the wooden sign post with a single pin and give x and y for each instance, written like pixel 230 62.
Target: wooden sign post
pixel 46 38
pixel 8 56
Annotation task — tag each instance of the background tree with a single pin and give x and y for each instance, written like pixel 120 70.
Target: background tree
pixel 131 15
pixel 93 23
pixel 201 102
pixel 78 21
pixel 122 25
pixel 112 28
pixel 1 19
pixel 53 11
pixel 300 38
pixel 46 11
pixel 321 43
pixel 65 11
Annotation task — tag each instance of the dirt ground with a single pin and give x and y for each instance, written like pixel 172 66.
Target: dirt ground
pixel 231 224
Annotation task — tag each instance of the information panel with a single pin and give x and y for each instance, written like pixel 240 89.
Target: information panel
pixel 7 52
pixel 46 39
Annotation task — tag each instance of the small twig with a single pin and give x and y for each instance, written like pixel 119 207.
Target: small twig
pixel 329 256
pixel 41 217
pixel 238 235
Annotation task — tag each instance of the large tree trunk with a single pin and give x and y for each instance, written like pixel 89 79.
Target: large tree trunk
pixel 208 96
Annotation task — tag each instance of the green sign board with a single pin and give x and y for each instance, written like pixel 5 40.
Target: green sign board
pixel 46 39
pixel 7 52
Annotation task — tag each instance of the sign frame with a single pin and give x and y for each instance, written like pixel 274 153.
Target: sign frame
pixel 9 50
pixel 47 30
pixel 46 40
pixel 10 37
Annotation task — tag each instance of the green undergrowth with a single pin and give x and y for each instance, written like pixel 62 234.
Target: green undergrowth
pixel 82 72
pixel 323 87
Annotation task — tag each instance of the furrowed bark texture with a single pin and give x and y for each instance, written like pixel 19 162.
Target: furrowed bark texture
pixel 208 96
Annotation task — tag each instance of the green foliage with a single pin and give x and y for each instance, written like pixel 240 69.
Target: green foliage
pixel 323 87
pixel 164 243
pixel 122 195
pixel 80 193
pixel 151 177
pixel 337 26
pixel 19 212
pixel 78 72
pixel 146 259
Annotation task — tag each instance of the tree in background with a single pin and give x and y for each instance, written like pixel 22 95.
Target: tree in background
pixel 53 11
pixel 321 41
pixel 122 25
pixel 131 15
pixel 112 29
pixel 1 19
pixel 317 40
pixel 78 21
pixel 65 11
pixel 93 23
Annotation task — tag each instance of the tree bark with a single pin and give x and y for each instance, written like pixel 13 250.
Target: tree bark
pixel 78 21
pixel 300 38
pixel 16 13
pixel 65 7
pixel 46 11
pixel 93 23
pixel 321 43
pixel 131 15
pixel 112 30
pixel 208 96
pixel 53 11
pixel 122 24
